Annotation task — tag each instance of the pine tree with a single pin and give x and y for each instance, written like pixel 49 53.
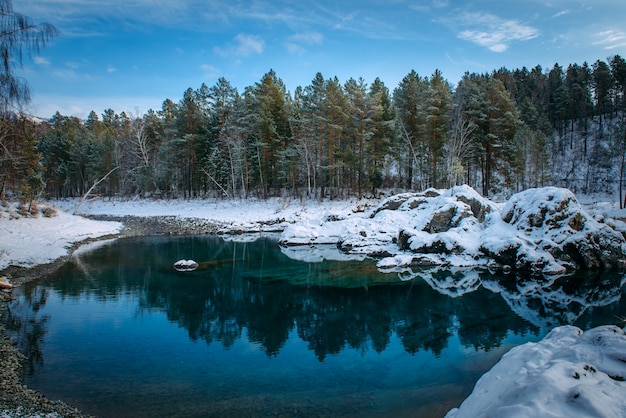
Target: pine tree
pixel 618 70
pixel 269 104
pixel 382 116
pixel 438 116
pixel 603 84
pixel 410 100
pixel 226 159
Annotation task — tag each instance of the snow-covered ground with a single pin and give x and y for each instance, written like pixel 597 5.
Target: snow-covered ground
pixel 33 240
pixel 29 241
pixel 569 373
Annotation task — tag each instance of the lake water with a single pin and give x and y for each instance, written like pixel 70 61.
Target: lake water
pixel 118 332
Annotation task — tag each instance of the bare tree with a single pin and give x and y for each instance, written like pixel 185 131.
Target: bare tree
pixel 458 150
pixel 18 34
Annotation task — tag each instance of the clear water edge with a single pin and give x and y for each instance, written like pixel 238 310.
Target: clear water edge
pixel 119 333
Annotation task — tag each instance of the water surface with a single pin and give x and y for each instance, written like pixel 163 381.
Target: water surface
pixel 118 332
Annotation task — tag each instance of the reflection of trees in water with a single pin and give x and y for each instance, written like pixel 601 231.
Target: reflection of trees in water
pixel 255 288
pixel 27 325
pixel 330 319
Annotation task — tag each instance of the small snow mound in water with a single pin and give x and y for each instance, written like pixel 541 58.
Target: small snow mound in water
pixel 185 265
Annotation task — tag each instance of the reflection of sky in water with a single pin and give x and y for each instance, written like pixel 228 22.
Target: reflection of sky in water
pixel 121 333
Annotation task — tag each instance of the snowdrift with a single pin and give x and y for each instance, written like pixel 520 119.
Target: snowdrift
pixel 543 231
pixel 570 373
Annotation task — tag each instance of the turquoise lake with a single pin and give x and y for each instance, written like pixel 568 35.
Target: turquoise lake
pixel 118 332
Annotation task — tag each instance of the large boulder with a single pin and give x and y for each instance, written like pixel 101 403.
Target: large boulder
pixel 556 222
pixel 448 223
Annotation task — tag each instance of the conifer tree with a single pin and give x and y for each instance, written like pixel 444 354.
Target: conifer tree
pixel 438 115
pixel 382 116
pixel 269 105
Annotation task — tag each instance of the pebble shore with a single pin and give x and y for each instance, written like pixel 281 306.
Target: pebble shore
pixel 16 400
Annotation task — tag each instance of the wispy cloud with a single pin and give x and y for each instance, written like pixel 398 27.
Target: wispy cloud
pixel 309 38
pixel 610 39
pixel 244 46
pixel 81 106
pixel 561 13
pixel 492 32
pixel 297 44
pixel 111 69
pixel 209 71
pixel 41 61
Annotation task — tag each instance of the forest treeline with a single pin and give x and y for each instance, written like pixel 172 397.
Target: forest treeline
pixel 499 132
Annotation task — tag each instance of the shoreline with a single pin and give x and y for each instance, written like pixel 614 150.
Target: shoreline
pixel 16 399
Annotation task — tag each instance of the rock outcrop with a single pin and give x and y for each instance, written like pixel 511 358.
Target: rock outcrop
pixel 541 231
pixel 554 220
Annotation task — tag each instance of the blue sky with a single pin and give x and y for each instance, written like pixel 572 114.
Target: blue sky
pixel 131 55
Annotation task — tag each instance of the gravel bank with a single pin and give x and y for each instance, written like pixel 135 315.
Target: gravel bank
pixel 16 400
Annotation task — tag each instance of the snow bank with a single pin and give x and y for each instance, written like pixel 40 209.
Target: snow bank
pixel 570 373
pixel 27 241
pixel 543 231
pixel 237 214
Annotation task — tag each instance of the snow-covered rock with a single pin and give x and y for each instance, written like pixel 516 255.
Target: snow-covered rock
pixel 570 373
pixel 541 231
pixel 186 265
pixel 557 223
pixel 433 222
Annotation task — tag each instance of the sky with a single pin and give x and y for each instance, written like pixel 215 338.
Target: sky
pixel 131 55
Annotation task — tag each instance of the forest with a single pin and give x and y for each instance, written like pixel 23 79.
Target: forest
pixel 499 132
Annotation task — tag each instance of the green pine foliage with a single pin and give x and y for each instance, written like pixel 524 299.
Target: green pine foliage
pixel 500 133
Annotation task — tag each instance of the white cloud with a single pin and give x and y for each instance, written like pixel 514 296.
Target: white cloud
pixel 245 45
pixel 209 71
pixel 45 106
pixel 248 45
pixel 41 61
pixel 610 39
pixel 309 38
pixel 65 74
pixel 295 49
pixel 296 43
pixel 492 32
pixel 111 69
